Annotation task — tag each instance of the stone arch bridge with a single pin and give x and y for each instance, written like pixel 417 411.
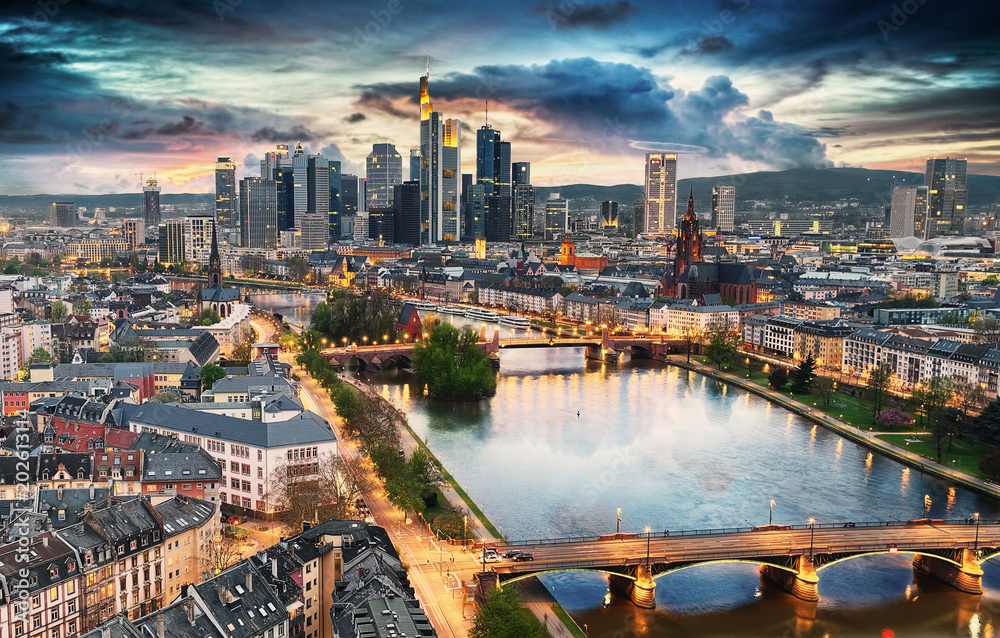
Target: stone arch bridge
pixel 789 556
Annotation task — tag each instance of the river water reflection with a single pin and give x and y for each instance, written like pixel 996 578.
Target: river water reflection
pixel 566 441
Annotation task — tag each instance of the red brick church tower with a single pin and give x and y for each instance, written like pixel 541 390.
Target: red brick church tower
pixel 688 247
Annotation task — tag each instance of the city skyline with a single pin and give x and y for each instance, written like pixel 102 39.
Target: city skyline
pixel 582 89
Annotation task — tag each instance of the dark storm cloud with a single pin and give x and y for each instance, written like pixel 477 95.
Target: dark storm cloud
pixel 187 126
pixel 583 99
pixel 708 45
pixel 570 14
pixel 297 132
pixel 354 118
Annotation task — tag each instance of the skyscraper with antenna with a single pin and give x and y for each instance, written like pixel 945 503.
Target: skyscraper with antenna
pixel 440 171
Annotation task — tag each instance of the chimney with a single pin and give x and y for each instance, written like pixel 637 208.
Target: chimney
pixel 189 607
pixel 222 594
pixel 59 493
pixel 105 631
pixel 91 491
pixel 249 576
pixel 274 568
pixel 159 624
pixel 45 541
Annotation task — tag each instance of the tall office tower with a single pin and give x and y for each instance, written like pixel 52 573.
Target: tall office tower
pixel 414 164
pixel 478 200
pixel 314 231
pixel 318 189
pixel 258 213
pixel 639 217
pixel 661 193
pixel 225 192
pixel 151 204
pixel 134 231
pixel 908 212
pixel 300 187
pixel 63 215
pixel 723 207
pixel 198 231
pixel 520 173
pixel 361 226
pixel 278 158
pixel 384 171
pixel 406 213
pixel 170 247
pixel 946 192
pixel 336 205
pixel 498 218
pixel 523 210
pixel 487 138
pixel 380 224
pixel 440 166
pixel 284 179
pixel 467 182
pixel 352 190
pixel 609 214
pixel 556 216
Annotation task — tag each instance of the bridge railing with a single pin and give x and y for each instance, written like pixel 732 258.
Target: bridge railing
pixel 540 563
pixel 741 530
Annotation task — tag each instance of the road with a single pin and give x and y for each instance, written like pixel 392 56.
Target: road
pixel 731 545
pixel 437 571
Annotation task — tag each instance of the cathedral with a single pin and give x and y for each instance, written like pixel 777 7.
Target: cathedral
pixel 216 296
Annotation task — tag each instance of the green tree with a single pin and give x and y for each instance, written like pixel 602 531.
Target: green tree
pixel 210 373
pixel 803 376
pixel 59 312
pixel 986 426
pixel 453 366
pixel 81 306
pixel 106 262
pixel 778 378
pixel 159 268
pixel 823 388
pixel 298 268
pixel 243 348
pixel 989 464
pixel 12 267
pixel 207 317
pixel 987 328
pixel 877 390
pixel 722 345
pixel 990 280
pixel 502 616
pixel 38 272
pixel 947 425
pixel 166 397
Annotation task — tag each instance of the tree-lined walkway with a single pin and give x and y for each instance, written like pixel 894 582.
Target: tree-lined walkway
pixel 867 438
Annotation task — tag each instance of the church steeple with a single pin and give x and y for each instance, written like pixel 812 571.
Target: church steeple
pixel 214 262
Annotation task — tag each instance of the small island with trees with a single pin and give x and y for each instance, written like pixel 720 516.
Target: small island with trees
pixel 453 366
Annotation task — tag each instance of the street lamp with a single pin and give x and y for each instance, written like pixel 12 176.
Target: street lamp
pixel 812 533
pixel 976 546
pixel 648 535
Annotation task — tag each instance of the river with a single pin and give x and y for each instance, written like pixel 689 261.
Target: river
pixel 566 441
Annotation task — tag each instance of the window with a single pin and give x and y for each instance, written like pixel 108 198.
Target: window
pixel 234 483
pixel 36 621
pixel 62 515
pixel 260 472
pixel 260 490
pixel 246 486
pixel 36 600
pixel 70 609
pixel 246 469
pixel 55 614
pixel 234 467
pixel 132 545
pixel 54 594
pixel 186 486
pixel 260 457
pixel 71 628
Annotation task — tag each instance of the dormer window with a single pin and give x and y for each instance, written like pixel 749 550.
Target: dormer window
pixel 45 476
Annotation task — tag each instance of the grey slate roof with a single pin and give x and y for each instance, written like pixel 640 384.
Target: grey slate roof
pixel 182 513
pixel 176 623
pixel 197 465
pixel 71 501
pixel 301 429
pixel 128 519
pixel 267 384
pixel 242 611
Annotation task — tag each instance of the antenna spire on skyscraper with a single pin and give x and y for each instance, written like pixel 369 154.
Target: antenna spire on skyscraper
pixel 487 112
pixel 428 64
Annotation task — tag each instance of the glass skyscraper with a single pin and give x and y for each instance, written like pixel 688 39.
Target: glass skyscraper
pixel 723 207
pixel 440 166
pixel 947 195
pixel 661 193
pixel 258 213
pixel 225 192
pixel 151 204
pixel 384 170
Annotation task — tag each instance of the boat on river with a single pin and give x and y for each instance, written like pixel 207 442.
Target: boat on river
pixel 513 321
pixel 482 315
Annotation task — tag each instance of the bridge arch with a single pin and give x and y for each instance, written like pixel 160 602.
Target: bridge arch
pixel 610 571
pixel 398 360
pixel 355 362
pixel 822 561
pixel 640 352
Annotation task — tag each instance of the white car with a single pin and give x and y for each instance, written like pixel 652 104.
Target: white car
pixel 492 557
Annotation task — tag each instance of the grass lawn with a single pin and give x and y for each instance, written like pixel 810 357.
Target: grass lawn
pixel 964 456
pixel 566 620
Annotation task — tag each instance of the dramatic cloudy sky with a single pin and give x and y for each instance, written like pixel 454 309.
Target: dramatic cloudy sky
pixel 94 91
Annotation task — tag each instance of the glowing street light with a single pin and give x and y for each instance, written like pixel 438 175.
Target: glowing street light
pixel 812 533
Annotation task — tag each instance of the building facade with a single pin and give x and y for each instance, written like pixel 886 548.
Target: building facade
pixel 661 193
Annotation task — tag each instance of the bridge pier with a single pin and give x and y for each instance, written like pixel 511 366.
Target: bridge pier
pixel 967 578
pixel 599 353
pixel 803 583
pixel 641 591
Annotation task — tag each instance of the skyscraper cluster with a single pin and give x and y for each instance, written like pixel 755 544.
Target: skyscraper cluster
pixel 934 209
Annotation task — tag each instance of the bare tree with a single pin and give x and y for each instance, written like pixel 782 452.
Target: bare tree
pixel 244 345
pixel 224 551
pixel 322 489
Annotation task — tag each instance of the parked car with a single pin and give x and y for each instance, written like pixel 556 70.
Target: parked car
pixel 492 557
pixel 511 553
pixel 523 556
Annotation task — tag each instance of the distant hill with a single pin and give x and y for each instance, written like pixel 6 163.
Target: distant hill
pixel 794 187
